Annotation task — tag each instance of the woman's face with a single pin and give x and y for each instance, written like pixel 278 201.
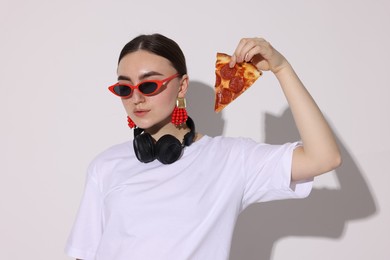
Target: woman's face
pixel 155 110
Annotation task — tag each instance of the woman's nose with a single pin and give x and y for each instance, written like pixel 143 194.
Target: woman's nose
pixel 137 97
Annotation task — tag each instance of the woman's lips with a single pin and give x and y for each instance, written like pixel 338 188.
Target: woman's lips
pixel 140 113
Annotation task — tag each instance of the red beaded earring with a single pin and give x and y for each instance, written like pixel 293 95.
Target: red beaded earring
pixel 130 122
pixel 179 114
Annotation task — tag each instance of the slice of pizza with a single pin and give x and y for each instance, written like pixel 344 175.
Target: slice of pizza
pixel 230 83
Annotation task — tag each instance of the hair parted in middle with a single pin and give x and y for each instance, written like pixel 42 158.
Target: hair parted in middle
pixel 159 45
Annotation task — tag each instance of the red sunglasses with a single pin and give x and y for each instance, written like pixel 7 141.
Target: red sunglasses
pixel 147 87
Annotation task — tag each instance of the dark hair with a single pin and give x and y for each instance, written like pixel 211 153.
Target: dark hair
pixel 159 45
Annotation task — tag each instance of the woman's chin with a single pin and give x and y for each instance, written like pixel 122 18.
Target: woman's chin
pixel 154 126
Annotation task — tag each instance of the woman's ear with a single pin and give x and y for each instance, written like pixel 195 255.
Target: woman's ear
pixel 184 81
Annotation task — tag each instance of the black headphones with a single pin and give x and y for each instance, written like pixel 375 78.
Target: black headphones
pixel 167 149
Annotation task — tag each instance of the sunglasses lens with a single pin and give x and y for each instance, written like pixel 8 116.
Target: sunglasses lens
pixel 148 87
pixel 122 91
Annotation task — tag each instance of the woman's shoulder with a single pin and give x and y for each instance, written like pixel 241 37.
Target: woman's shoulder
pixel 225 141
pixel 120 150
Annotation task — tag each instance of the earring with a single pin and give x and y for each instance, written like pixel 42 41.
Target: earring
pixel 179 114
pixel 130 122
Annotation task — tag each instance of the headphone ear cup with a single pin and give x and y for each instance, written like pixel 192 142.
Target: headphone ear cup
pixel 144 147
pixel 168 149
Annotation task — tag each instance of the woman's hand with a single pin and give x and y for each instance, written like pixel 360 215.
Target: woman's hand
pixel 260 53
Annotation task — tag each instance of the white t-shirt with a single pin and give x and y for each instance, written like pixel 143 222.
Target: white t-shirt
pixel 185 210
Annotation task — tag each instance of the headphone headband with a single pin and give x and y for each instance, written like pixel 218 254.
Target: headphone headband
pixel 190 136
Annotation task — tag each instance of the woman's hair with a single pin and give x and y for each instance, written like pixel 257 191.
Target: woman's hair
pixel 159 45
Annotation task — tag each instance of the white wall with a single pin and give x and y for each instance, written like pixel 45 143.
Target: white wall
pixel 57 57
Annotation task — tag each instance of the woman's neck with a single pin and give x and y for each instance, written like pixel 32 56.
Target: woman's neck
pixel 163 128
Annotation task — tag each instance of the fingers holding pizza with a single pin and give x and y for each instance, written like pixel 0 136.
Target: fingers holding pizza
pixel 260 53
pixel 236 73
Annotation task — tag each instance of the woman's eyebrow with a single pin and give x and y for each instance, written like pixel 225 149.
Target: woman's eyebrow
pixel 120 77
pixel 141 77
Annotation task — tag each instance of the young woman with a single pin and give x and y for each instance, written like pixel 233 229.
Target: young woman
pixel 173 193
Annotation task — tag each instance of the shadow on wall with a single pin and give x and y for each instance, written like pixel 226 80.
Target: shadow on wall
pixel 200 102
pixel 323 214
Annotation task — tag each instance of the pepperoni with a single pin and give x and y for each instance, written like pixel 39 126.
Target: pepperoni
pixel 227 72
pixel 236 84
pixel 224 96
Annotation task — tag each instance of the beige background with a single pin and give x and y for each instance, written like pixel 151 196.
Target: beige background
pixel 57 57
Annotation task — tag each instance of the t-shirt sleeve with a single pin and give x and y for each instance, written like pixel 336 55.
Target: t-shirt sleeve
pixel 268 173
pixel 87 228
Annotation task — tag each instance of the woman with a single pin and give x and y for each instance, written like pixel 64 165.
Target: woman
pixel 174 193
